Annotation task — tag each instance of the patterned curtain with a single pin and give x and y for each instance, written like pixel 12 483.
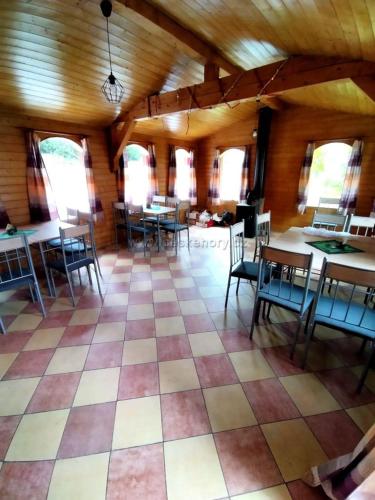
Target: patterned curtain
pixel 120 181
pixel 41 204
pixel 193 179
pixel 4 219
pixel 172 171
pixel 348 200
pixel 153 188
pixel 96 207
pixel 245 174
pixel 213 192
pixel 303 187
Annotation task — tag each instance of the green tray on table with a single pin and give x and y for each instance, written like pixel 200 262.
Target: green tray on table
pixel 333 246
pixel 20 232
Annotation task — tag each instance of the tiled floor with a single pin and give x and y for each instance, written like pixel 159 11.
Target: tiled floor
pixel 158 393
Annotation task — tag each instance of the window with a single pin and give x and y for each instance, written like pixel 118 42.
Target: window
pixel 328 173
pixel 182 173
pixel 137 182
pixel 230 164
pixel 65 167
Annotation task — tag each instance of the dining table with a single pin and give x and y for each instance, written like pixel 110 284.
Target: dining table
pixel 158 212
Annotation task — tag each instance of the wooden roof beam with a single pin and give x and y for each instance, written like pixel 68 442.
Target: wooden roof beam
pixel 164 21
pixel 366 84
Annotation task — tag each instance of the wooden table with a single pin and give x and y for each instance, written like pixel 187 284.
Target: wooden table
pixel 158 211
pixel 295 240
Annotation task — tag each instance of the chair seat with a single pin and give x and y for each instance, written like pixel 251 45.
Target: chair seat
pixel 142 229
pixel 73 263
pixel 338 315
pixel 172 227
pixel 166 221
pixel 18 278
pixel 286 295
pixel 246 270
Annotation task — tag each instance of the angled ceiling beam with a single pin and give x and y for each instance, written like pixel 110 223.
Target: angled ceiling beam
pixel 153 14
pixel 366 84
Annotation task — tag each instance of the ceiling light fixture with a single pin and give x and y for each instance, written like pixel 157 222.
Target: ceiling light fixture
pixel 111 88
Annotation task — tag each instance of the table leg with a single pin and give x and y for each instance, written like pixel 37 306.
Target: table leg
pixel 158 226
pixel 41 250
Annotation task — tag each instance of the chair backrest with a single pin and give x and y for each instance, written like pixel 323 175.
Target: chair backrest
pixel 328 203
pixel 262 232
pixel 362 225
pixel 134 214
pixel 183 211
pixel 350 295
pixel 329 221
pixel 15 260
pixel 281 267
pixel 118 208
pixel 236 241
pixel 159 199
pixel 77 243
pixel 171 201
pixel 72 216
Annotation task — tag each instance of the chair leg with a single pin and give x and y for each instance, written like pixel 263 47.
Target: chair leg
pixel 2 327
pixel 53 287
pixel 309 337
pixel 116 236
pixel 31 293
pixel 363 345
pixel 238 285
pixel 97 280
pixel 255 317
pixel 40 299
pixel 367 367
pixel 80 277
pixel 296 338
pixel 69 277
pixel 269 311
pixel 89 275
pixel 188 236
pixel 226 296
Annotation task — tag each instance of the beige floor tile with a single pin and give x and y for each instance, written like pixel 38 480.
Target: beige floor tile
pixel 324 333
pixel 141 286
pixel 279 492
pixel 97 386
pixel 139 351
pixel 161 275
pixel 193 469
pixel 109 332
pixel 251 365
pixel 206 343
pixel 38 436
pixel 302 450
pixel 309 394
pixel 183 283
pixel 25 322
pixel 179 375
pixel 199 272
pixel 370 378
pixel 12 306
pixel 137 422
pixel 269 336
pixel 192 307
pixel 116 299
pixel 228 408
pixel 122 262
pixel 281 315
pixel 44 339
pixel 68 359
pixel 120 278
pixel 16 394
pixel 5 361
pixel 164 295
pixel 140 311
pixel 83 478
pixel 166 327
pixel 85 316
pixel 363 416
pixel 226 320
pixel 319 357
pixel 141 268
pixel 177 266
pixel 159 260
pixel 62 304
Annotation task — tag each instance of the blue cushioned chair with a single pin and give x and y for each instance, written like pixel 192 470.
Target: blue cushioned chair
pixel 136 224
pixel 179 223
pixel 347 307
pixel 286 286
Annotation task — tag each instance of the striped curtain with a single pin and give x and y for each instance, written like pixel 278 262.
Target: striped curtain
pixel 245 174
pixel 41 203
pixel 96 207
pixel 193 178
pixel 348 200
pixel 172 171
pixel 153 187
pixel 120 184
pixel 303 186
pixel 4 219
pixel 213 192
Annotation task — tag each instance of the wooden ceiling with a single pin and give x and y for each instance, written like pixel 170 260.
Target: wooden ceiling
pixel 54 55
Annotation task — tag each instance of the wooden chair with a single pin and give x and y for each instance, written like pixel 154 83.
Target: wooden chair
pixel 17 269
pixel 349 308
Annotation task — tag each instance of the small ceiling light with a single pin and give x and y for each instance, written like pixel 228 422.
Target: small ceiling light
pixel 111 88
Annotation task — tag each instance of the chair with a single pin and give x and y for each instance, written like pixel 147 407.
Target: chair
pixel 171 202
pixel 119 220
pixel 17 269
pixel 331 221
pixel 286 285
pixel 349 308
pixel 240 268
pixel 76 253
pixel 84 218
pixel 136 223
pixel 364 225
pixel 179 224
pixel 71 218
pixel 156 200
pixel 332 203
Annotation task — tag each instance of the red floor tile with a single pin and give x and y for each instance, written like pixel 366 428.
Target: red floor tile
pixel 137 474
pixel 77 335
pixel 56 319
pixel 54 392
pixel 137 381
pixel 347 349
pixel 300 491
pixel 335 431
pixel 122 269
pixel 20 480
pixel 174 347
pixel 342 384
pixel 236 340
pixel 112 314
pixel 29 364
pixel 246 460
pixel 282 365
pixel 88 301
pixel 180 273
pixel 184 415
pixel 140 329
pixel 162 284
pixel 8 426
pixel 270 401
pixel 88 430
pixel 215 370
pixel 13 342
pixel 140 298
pixel 166 309
pixel 198 323
pixel 104 355
pixel 187 293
